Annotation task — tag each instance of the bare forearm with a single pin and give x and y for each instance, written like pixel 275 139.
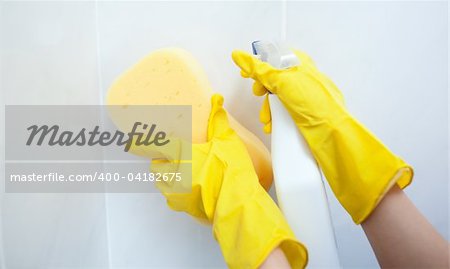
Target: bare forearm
pixel 401 237
pixel 276 259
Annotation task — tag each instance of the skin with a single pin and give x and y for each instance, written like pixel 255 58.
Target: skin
pixel 276 259
pixel 399 234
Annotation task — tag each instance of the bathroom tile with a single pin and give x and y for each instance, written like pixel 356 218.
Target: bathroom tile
pixel 49 56
pixel 144 232
pixel 54 231
pixel 392 68
pixel 48 53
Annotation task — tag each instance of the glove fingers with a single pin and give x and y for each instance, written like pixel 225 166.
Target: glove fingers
pixel 267 128
pixel 218 121
pixel 244 74
pixel 259 89
pixel 252 67
pixel 265 116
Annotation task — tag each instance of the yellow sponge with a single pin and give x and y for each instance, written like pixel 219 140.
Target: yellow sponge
pixel 172 76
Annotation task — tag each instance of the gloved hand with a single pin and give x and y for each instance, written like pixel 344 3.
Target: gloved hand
pixel 358 167
pixel 226 193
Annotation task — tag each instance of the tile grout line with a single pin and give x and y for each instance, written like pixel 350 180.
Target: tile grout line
pixel 3 194
pixel 100 92
pixel 283 20
pixel 99 72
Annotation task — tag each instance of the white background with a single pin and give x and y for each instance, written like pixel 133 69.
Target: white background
pixel 390 59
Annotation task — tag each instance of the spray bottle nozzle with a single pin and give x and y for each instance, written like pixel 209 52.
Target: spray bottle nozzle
pixel 276 54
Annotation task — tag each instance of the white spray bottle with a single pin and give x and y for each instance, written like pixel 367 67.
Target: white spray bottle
pixel 298 180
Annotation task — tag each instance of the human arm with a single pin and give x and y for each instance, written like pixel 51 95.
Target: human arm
pixel 276 260
pixel 402 237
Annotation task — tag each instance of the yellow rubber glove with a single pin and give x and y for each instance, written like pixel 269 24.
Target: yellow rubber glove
pixel 358 167
pixel 226 192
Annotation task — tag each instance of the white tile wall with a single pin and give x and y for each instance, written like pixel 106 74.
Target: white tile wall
pixel 48 52
pixel 48 56
pixel 389 59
